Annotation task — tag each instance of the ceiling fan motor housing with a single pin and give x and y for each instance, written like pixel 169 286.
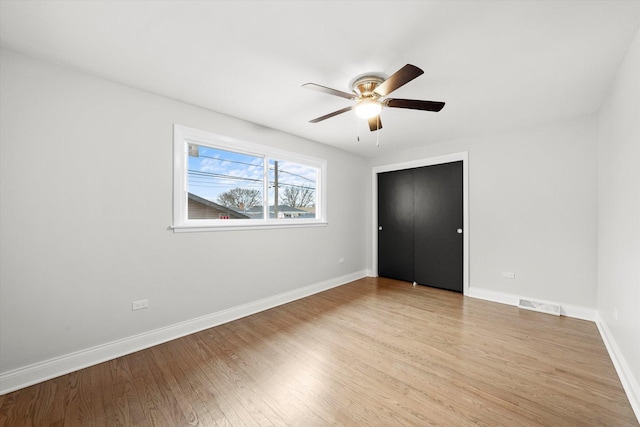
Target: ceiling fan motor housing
pixel 364 86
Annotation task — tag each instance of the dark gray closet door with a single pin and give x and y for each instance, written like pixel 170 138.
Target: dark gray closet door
pixel 438 226
pixel 395 225
pixel 420 215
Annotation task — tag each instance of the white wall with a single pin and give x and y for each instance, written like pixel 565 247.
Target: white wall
pixel 85 202
pixel 532 207
pixel 619 219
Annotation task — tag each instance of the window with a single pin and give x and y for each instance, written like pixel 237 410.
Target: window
pixel 221 183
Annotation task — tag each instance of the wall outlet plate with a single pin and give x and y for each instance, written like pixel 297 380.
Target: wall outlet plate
pixel 139 305
pixel 508 274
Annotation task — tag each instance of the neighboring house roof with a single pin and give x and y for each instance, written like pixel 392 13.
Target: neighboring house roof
pixel 217 206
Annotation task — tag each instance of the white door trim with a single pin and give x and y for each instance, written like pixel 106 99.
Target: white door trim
pixel 447 158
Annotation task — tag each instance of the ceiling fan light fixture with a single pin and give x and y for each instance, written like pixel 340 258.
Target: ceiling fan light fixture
pixel 371 92
pixel 368 108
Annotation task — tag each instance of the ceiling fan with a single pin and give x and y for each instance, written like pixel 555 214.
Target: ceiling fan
pixel 370 93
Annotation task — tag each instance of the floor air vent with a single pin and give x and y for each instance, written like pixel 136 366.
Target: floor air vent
pixel 542 307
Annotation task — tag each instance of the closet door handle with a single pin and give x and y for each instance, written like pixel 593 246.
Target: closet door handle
pixel 459 230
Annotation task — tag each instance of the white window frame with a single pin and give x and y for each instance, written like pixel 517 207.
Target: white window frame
pixel 183 136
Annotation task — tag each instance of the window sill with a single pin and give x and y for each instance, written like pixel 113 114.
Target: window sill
pixel 236 227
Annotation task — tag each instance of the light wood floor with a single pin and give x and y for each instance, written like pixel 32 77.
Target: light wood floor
pixel 374 352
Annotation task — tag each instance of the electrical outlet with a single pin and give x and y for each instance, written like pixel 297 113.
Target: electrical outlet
pixel 341 260
pixel 139 305
pixel 508 275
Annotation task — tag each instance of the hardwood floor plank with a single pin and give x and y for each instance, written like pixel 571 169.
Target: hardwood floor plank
pixel 179 365
pixel 315 366
pixel 370 353
pixel 386 355
pixel 268 380
pixel 150 393
pixel 79 402
pixel 223 383
pixel 116 403
pixel 287 376
pixel 50 410
pixel 19 407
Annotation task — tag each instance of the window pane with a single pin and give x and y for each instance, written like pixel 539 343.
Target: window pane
pixel 292 190
pixel 223 184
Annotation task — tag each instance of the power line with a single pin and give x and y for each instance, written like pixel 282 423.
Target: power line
pixel 218 175
pixel 253 165
pixel 294 174
pixel 198 176
pixel 233 161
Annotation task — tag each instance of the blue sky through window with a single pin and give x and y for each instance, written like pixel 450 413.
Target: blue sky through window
pixel 213 171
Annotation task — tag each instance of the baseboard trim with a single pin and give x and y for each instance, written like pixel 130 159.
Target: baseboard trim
pixel 568 310
pixel 629 383
pixel 52 368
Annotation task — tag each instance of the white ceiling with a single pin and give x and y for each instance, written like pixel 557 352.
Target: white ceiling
pixel 498 65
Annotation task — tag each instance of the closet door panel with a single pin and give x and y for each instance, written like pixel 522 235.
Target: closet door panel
pixel 438 224
pixel 396 225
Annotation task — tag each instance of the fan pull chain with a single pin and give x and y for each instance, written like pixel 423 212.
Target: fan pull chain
pixel 378 132
pixel 358 126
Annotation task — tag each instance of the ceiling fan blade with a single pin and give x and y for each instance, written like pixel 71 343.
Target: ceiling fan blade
pixel 414 104
pixel 328 90
pixel 375 123
pixel 328 116
pixel 401 77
